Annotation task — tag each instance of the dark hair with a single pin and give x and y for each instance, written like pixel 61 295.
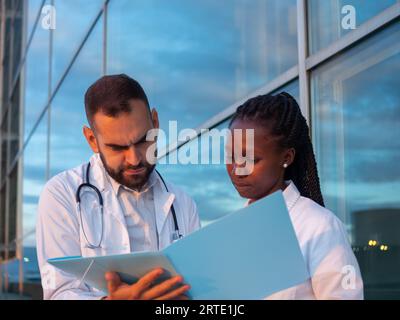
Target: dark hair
pixel 282 116
pixel 111 95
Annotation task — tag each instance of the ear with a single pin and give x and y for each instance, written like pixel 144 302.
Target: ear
pixel 91 139
pixel 289 156
pixel 154 117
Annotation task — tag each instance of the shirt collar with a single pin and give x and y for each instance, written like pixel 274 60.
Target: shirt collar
pixel 116 186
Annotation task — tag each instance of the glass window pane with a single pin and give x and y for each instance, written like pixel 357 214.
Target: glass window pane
pixel 4 145
pixel 15 123
pixel 209 183
pixel 7 59
pixel 356 129
pixel 17 35
pixel 12 213
pixel 325 18
pixel 197 58
pixel 73 19
pixel 33 181
pixel 68 145
pixel 34 8
pixel 36 79
pixel 292 88
pixel 3 208
pixel 34 178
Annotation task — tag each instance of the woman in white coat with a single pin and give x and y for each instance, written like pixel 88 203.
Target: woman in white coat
pixel 284 160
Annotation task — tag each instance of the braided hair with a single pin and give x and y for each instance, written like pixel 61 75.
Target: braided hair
pixel 282 115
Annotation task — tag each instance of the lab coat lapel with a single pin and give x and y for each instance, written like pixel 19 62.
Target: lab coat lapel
pixel 113 206
pixel 111 203
pixel 162 202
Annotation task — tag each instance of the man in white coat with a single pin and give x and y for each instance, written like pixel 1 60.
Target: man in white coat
pixel 123 204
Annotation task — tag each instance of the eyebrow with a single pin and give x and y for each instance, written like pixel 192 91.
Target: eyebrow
pixel 140 140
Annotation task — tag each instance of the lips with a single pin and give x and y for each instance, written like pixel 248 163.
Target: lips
pixel 241 184
pixel 133 172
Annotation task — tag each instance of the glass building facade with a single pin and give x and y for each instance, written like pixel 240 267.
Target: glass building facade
pixel 197 61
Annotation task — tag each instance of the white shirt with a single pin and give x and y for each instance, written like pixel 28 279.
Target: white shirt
pixel 59 231
pixel 139 212
pixel 323 241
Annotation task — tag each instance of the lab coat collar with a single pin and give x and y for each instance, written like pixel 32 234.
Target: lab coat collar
pixel 291 194
pixel 97 172
pixel 163 201
pixel 98 178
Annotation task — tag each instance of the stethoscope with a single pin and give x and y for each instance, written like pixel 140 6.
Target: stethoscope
pixel 175 236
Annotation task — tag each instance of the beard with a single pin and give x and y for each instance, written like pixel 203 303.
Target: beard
pixel 134 182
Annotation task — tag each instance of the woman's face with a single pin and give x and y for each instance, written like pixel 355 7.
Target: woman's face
pixel 267 175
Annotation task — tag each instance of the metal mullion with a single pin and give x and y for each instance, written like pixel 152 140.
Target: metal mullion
pixel 302 43
pixel 105 22
pixel 20 170
pixel 7 199
pixel 49 89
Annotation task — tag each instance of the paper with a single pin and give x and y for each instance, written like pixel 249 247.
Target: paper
pixel 248 254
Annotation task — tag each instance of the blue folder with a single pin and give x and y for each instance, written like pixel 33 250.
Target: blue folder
pixel 248 254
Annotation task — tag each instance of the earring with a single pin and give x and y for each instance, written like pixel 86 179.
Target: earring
pixel 285 165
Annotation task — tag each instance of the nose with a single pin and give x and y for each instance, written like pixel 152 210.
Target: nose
pixel 235 165
pixel 240 170
pixel 233 168
pixel 132 156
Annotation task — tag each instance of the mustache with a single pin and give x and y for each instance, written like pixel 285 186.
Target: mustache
pixel 139 166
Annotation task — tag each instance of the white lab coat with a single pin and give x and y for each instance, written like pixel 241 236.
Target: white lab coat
pixel 330 261
pixel 59 233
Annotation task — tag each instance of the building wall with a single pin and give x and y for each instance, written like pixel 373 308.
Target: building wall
pixel 197 62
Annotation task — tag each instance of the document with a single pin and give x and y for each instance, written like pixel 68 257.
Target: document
pixel 248 254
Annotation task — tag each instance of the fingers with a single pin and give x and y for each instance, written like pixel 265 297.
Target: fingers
pixel 142 288
pixel 163 288
pixel 113 281
pixel 177 294
pixel 147 280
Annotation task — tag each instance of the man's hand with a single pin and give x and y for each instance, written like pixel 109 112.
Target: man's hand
pixel 143 289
